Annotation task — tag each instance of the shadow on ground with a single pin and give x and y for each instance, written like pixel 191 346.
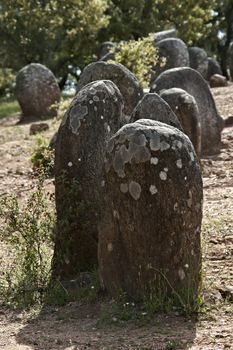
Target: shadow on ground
pixel 78 327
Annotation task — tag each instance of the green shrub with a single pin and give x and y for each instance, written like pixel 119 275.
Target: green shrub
pixel 26 232
pixel 42 158
pixel 139 57
pixel 7 82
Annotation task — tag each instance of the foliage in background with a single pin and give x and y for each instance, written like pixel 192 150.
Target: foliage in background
pixel 139 57
pixel 7 81
pixel 136 18
pixel 8 107
pixel 55 33
pixel 42 158
pixel 26 231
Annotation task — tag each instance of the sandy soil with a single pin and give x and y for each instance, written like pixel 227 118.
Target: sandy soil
pixel 76 325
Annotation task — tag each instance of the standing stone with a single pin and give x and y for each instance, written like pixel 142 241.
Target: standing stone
pixel 93 117
pixel 192 82
pixel 149 235
pixel 37 92
pixel 170 33
pixel 186 109
pixel 198 60
pixel 153 107
pixel 218 80
pixel 213 68
pixel 105 48
pixel 121 76
pixel 174 51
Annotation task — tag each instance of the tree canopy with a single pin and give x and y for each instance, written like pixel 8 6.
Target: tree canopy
pixel 55 33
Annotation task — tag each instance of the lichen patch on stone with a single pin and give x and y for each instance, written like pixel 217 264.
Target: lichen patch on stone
pixel 163 175
pixel 154 160
pixel 135 190
pixel 179 163
pixel 153 190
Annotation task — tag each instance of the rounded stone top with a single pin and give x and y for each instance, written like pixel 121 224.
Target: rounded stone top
pixel 37 91
pixel 137 142
pixel 120 75
pixel 198 60
pixel 177 93
pixel 152 106
pixel 101 97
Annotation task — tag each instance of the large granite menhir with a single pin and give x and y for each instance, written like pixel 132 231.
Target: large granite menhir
pixel 199 60
pixel 92 118
pixel 120 75
pixel 175 53
pixel 191 81
pixel 149 233
pixel 37 91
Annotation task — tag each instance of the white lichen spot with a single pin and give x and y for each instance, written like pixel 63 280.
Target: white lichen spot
pixel 135 190
pixel 179 163
pixel 165 169
pixel 90 101
pixel 124 188
pixel 179 144
pixel 181 273
pixel 96 98
pixel 70 164
pixel 192 252
pixel 153 189
pixel 186 266
pixel 164 146
pixel 95 108
pixel 102 117
pixel 102 183
pixel 185 178
pixel 108 128
pixel 110 247
pixel 79 159
pixel 116 214
pixel 154 160
pixel 163 175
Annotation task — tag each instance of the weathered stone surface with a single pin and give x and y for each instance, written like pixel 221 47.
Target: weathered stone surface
pixel 121 76
pixel 105 48
pixel 37 90
pixel 152 106
pixel 213 68
pixel 218 80
pixel 192 82
pixel 198 60
pixel 36 128
pixel 171 33
pixel 93 117
pixel 149 235
pixel 186 109
pixel 174 51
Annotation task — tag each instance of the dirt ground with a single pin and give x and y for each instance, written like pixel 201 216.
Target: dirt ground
pixel 76 326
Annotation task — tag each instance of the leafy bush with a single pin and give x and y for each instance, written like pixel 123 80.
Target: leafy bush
pixel 42 158
pixel 26 232
pixel 7 81
pixel 139 57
